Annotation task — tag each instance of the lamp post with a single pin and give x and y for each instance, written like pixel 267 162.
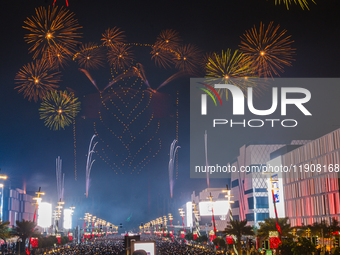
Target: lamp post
pixel 59 207
pixel 93 222
pixel 196 213
pixel 229 196
pixel 212 212
pixel 181 212
pixel 37 200
pixel 171 218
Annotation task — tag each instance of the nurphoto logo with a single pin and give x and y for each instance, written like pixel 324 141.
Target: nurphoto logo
pixel 239 104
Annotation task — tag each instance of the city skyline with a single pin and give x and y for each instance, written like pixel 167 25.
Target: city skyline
pixel 29 148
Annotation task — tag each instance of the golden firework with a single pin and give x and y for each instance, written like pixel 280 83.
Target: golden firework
pixel 90 56
pixel 205 59
pixel 168 39
pixel 52 28
pixel 187 58
pixel 120 56
pixel 36 79
pixel 56 57
pixel 58 109
pixel 164 50
pixel 163 57
pixel 228 65
pixel 269 49
pixel 303 3
pixel 113 36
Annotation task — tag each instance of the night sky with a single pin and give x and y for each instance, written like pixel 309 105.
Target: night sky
pixel 29 149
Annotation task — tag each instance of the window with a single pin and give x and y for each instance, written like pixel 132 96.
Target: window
pixel 234 183
pixel 250 217
pixel 251 202
pixel 262 202
pixel 235 205
pixel 262 216
pixel 248 191
pixel 261 190
pixel 236 217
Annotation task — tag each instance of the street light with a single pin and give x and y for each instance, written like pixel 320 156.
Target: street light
pixel 37 201
pixel 59 207
pixel 212 212
pixel 171 218
pixel 229 196
pixel 182 213
pixel 196 213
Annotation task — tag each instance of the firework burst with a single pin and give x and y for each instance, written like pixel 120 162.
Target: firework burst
pixel 90 56
pixel 56 57
pixel 164 50
pixel 168 39
pixel 36 79
pixel 52 28
pixel 113 36
pixel 188 58
pixel 303 3
pixel 205 59
pixel 58 109
pixel 269 49
pixel 227 65
pixel 162 57
pixel 120 56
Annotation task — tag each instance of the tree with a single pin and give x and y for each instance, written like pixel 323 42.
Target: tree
pixel 238 229
pixel 304 247
pixel 286 247
pixel 4 230
pixel 317 228
pixel 202 239
pixel 25 229
pixel 270 225
pixel 45 242
pixel 219 242
pixel 64 240
pixel 189 236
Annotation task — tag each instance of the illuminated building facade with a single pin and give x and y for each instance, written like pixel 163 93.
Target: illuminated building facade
pixel 17 205
pixel 248 184
pixel 312 196
pixel 204 207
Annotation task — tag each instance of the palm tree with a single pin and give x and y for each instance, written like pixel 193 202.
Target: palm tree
pixel 4 230
pixel 25 229
pixel 270 225
pixel 238 229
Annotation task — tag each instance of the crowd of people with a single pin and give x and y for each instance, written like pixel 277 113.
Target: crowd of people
pixel 115 246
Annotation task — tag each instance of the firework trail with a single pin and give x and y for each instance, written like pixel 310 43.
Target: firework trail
pixel 89 164
pixel 173 150
pixel 139 72
pixel 206 155
pixel 60 179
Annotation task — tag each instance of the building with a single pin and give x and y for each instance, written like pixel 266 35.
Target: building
pixel 202 201
pixel 248 184
pixel 16 205
pixel 311 188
